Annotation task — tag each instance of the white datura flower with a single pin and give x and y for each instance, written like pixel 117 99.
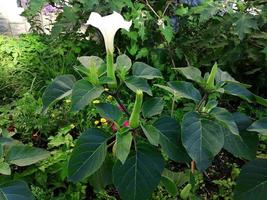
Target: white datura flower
pixel 109 25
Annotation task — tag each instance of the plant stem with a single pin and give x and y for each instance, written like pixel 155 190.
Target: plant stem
pixel 173 104
pixel 193 166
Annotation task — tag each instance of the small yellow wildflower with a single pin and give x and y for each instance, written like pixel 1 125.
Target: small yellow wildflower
pixel 109 97
pixel 98 126
pixel 67 100
pixel 96 102
pixel 96 122
pixel 103 120
pixel 106 89
pixel 105 124
pixel 72 126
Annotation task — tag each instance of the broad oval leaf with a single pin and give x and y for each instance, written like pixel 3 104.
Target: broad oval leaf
pixel 4 168
pixel 135 83
pixel 137 178
pixel 252 182
pixel 170 139
pixel 143 70
pixel 23 155
pixel 185 90
pixel 15 190
pixel 152 107
pixel 240 91
pixel 123 63
pixel 191 73
pixel 83 93
pixel 109 111
pixel 225 118
pixel 243 145
pixel 88 154
pixel 58 89
pixel 202 138
pixel 259 126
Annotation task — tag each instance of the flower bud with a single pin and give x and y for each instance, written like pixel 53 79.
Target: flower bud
pixel 135 116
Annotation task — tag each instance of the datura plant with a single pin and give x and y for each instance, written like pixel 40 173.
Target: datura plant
pixel 135 154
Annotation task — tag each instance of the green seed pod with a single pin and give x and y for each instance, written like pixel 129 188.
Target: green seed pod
pixel 135 116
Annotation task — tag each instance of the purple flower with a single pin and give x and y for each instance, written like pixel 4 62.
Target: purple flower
pixel 48 9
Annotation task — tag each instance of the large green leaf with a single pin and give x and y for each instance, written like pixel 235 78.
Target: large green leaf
pixel 242 121
pixel 102 177
pixel 135 83
pixel 83 93
pixel 259 126
pixel 240 91
pixel 152 107
pixel 143 70
pixel 170 139
pixel 137 178
pixel 58 89
pixel 88 154
pixel 23 155
pixel 252 181
pixel 224 117
pixel 185 90
pixel 109 111
pixel 16 190
pixel 123 145
pixel 243 145
pixel 191 73
pixel 202 138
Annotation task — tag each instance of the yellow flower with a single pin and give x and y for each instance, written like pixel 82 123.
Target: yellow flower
pixel 96 102
pixel 106 89
pixel 72 126
pixel 109 97
pixel 105 124
pixel 96 122
pixel 103 120
pixel 67 100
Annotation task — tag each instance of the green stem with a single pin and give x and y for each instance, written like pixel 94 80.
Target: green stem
pixel 173 104
pixel 110 69
pixel 135 116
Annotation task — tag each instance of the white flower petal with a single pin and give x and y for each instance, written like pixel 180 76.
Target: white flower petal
pixel 109 25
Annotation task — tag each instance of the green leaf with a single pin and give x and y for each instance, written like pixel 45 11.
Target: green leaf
pixel 243 145
pixel 83 93
pixel 88 154
pixel 202 138
pixel 261 100
pixel 109 111
pixel 15 190
pixel 135 83
pixel 259 126
pixel 211 78
pixel 167 32
pixel 4 168
pixel 170 139
pixel 137 178
pixel 245 24
pixel 252 181
pixel 151 133
pixel 58 89
pixel 123 63
pixel 102 177
pixel 143 70
pixel 242 121
pixel 185 90
pixel 185 192
pixel 238 90
pixel 169 185
pixel 191 73
pixel 225 118
pixel 123 145
pixel 23 155
pixel 152 107
pixel 92 62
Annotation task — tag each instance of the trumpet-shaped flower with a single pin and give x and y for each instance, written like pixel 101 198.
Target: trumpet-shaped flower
pixel 109 25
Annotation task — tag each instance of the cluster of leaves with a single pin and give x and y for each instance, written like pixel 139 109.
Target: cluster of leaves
pixel 229 32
